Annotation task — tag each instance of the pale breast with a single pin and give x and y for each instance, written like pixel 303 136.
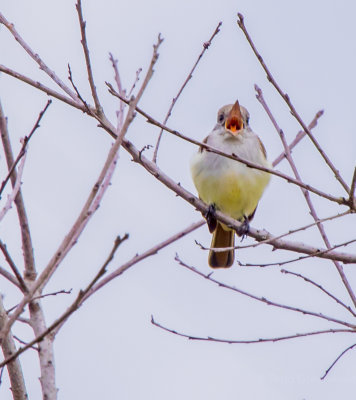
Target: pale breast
pixel 233 187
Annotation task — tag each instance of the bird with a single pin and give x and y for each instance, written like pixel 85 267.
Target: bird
pixel 228 185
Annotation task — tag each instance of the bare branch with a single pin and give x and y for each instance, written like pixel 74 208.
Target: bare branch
pixel 352 190
pixel 348 308
pixel 137 78
pixel 12 265
pixel 120 113
pixel 62 291
pixel 337 359
pixel 42 296
pixel 23 320
pixel 70 310
pixel 36 57
pixel 264 299
pixel 293 260
pixel 83 295
pixel 16 187
pixel 206 45
pixel 21 155
pixel 306 194
pixel 9 277
pixel 139 257
pixel 45 349
pixel 300 135
pixel 102 270
pixel 150 70
pixel 45 336
pixel 253 341
pixel 18 386
pixel 84 43
pixel 1 374
pixel 30 272
pixel 23 342
pixel 286 98
pixel 24 145
pixel 88 109
pixel 40 86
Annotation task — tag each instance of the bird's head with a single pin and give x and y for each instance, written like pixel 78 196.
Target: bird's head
pixel 234 118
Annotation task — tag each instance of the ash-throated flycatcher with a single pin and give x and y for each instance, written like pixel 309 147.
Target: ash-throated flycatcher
pixel 227 185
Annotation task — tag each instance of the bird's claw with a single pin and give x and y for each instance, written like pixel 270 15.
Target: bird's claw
pixel 244 228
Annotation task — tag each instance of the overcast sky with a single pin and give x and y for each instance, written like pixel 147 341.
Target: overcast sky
pixel 109 349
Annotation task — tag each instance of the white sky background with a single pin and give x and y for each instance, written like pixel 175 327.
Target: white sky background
pixel 109 349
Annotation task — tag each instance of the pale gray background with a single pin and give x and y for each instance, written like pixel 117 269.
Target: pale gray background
pixel 109 349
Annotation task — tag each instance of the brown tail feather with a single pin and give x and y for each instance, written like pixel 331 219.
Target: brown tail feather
pixel 222 238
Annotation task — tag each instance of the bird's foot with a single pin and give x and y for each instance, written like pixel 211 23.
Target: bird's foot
pixel 244 228
pixel 210 218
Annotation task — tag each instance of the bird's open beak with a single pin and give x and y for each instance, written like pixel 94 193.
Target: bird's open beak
pixel 234 123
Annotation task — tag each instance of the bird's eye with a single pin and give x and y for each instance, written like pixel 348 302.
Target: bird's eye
pixel 221 118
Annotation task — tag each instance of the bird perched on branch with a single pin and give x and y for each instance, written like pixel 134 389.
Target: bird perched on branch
pixel 228 185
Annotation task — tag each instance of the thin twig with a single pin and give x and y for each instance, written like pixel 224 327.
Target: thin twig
pixel 9 277
pixel 40 86
pixel 42 296
pixel 102 271
pixel 12 265
pixel 150 70
pixel 137 78
pixel 348 308
pixel 300 135
pixel 253 341
pixel 35 56
pixel 293 260
pixel 82 23
pixel 337 359
pixel 23 320
pixel 25 343
pixel 139 257
pixel 62 291
pixel 120 112
pixel 1 374
pixel 88 110
pixel 292 109
pixel 352 190
pixel 37 123
pixel 16 188
pixel 264 299
pixel 206 45
pixel 118 241
pixel 24 145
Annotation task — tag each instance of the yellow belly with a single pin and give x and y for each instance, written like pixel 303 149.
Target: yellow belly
pixel 234 194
